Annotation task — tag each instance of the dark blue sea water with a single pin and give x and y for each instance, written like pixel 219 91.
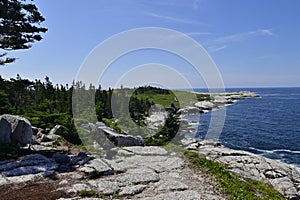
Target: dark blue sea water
pixel 269 125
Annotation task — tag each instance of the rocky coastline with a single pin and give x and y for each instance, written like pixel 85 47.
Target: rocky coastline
pixel 51 168
pixel 283 177
pixel 218 100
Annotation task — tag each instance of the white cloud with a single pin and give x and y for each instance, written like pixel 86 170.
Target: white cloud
pixel 173 19
pixel 244 36
pixel 198 33
pixel 216 48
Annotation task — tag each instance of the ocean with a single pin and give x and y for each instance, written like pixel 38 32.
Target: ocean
pixel 269 126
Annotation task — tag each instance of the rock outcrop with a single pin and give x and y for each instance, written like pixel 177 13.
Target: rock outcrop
pixel 101 133
pixel 15 129
pixel 218 100
pixel 281 176
pixel 133 173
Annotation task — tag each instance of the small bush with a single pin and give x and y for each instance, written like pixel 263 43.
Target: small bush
pixel 88 193
pixel 8 151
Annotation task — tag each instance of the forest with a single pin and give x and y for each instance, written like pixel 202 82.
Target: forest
pixel 46 105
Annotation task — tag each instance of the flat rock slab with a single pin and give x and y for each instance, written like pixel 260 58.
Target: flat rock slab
pixel 78 187
pixel 21 179
pixel 151 150
pixel 136 176
pixel 171 186
pixel 118 167
pixel 31 164
pixel 106 187
pixel 186 195
pixel 100 166
pixel 132 190
pixel 157 163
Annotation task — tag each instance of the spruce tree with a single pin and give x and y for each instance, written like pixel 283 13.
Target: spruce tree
pixel 19 27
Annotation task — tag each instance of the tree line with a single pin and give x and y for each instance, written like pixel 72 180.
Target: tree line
pixel 46 104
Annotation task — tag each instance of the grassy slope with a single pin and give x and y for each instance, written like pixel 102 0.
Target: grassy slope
pixel 178 98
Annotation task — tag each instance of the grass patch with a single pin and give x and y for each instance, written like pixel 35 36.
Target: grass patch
pixel 231 185
pixel 89 193
pixel 170 147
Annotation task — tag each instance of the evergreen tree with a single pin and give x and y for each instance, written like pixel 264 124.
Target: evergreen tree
pixel 5 106
pixel 19 27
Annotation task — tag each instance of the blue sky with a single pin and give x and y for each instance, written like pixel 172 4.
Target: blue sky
pixel 253 43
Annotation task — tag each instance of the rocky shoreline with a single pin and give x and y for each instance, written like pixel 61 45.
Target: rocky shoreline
pixel 283 177
pixel 52 169
pixel 218 100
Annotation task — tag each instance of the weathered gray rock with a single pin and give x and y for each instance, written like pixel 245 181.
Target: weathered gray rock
pixel 136 176
pixel 57 130
pixel 79 198
pixel 118 139
pixel 122 152
pixel 100 166
pixel 88 170
pixel 116 166
pixel 105 187
pixel 36 130
pixel 61 158
pixel 157 163
pixel 151 150
pixel 78 187
pixel 21 179
pixel 189 110
pixel 25 170
pixel 20 131
pixel 205 105
pixel 132 190
pixel 80 159
pixel 41 148
pixel 171 186
pixel 5 131
pixel 31 164
pixel 282 177
pixel 30 160
pixel 103 133
pixel 186 195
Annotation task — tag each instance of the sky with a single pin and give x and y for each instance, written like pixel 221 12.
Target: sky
pixel 253 43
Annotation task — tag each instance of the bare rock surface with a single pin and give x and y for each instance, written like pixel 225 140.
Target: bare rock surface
pixel 284 178
pixel 144 173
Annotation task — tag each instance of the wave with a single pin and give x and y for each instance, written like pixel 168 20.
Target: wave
pixel 275 94
pixel 275 150
pixel 297 167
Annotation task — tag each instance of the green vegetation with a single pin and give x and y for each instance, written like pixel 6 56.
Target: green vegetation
pixel 166 134
pixel 8 151
pixel 89 193
pixel 46 105
pixel 170 147
pixel 19 27
pixel 170 98
pixel 231 185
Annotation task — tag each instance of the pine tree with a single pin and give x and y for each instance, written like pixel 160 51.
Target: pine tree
pixel 19 27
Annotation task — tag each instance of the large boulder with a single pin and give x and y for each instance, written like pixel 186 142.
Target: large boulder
pixel 15 129
pixel 108 138
pixel 121 139
pixel 5 130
